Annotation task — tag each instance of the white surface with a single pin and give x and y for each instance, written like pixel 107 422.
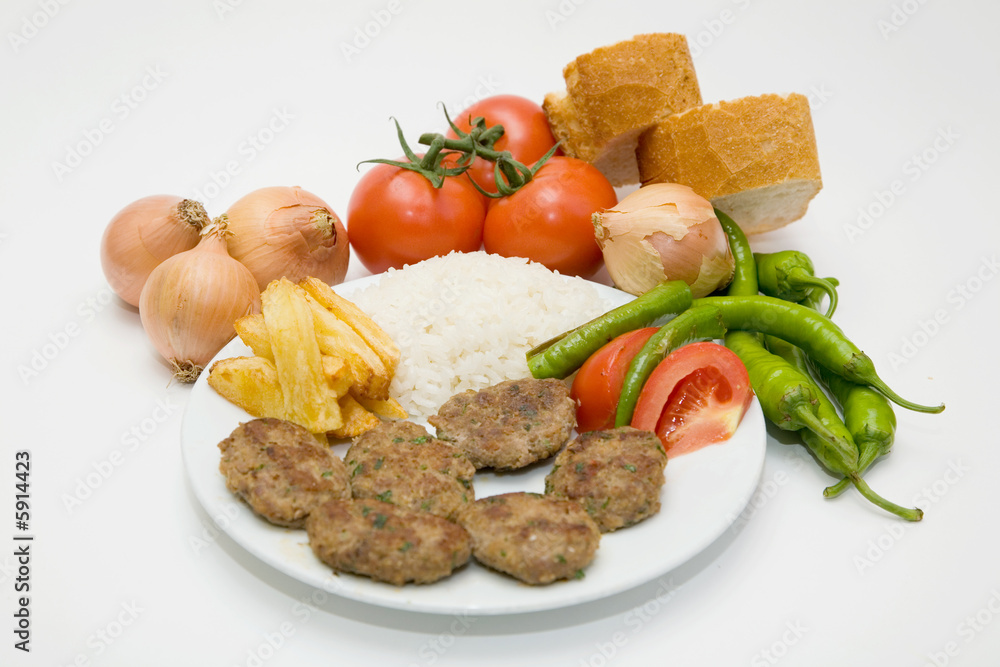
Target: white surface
pixel 704 494
pixel 135 573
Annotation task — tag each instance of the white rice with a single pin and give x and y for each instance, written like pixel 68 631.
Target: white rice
pixel 466 320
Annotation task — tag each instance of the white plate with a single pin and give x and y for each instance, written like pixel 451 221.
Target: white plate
pixel 705 492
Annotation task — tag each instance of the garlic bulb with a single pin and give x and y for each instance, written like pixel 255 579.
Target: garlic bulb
pixel 191 300
pixel 664 231
pixel 286 232
pixel 143 234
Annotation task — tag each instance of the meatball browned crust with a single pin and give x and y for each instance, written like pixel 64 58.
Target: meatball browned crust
pixel 615 474
pixel 281 470
pixel 509 425
pixel 385 542
pixel 534 538
pixel 401 463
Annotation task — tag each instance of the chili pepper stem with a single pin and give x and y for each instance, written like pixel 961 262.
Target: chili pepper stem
pixel 883 388
pixel 835 490
pixel 821 284
pixel 805 416
pixel 910 514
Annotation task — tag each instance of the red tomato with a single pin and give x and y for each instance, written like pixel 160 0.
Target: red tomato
pixel 548 220
pixel 526 132
pixel 599 380
pixel 396 217
pixel 696 396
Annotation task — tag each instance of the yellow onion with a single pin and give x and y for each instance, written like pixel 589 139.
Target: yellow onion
pixel 191 300
pixel 664 231
pixel 286 232
pixel 143 234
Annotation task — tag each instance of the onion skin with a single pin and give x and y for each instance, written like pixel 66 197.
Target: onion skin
pixel 287 232
pixel 145 233
pixel 191 300
pixel 664 231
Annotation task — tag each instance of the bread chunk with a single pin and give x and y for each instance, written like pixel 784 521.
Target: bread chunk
pixel 616 92
pixel 754 158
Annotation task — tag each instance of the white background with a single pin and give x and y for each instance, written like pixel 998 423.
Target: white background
pixel 133 572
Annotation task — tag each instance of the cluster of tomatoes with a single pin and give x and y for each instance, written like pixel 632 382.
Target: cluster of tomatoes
pixel 397 216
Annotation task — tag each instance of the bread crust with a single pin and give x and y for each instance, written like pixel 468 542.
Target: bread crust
pixel 755 158
pixel 616 92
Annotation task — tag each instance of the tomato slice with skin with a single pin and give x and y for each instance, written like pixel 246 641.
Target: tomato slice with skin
pixel 598 382
pixel 695 397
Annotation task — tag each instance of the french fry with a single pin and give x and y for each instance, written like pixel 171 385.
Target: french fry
pixel 357 319
pixel 253 332
pixel 388 408
pixel 250 383
pixel 319 361
pixel 357 419
pixel 336 338
pixel 297 358
pixel 338 375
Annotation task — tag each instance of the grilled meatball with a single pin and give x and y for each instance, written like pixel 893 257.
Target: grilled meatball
pixel 385 542
pixel 534 538
pixel 615 474
pixel 509 425
pixel 281 470
pixel 401 463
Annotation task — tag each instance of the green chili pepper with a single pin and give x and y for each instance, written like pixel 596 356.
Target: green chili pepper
pixel 560 356
pixel 788 275
pixel 702 323
pixel 787 397
pixel 868 415
pixel 816 334
pixel 840 454
pixel 744 282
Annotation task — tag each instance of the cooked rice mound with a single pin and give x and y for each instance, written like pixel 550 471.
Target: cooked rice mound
pixel 465 321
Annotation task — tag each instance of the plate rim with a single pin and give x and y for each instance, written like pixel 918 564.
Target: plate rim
pixel 384 595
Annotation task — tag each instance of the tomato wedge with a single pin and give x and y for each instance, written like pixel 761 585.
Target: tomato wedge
pixel 599 380
pixel 695 397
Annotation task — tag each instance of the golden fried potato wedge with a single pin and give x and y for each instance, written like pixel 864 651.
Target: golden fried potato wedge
pixel 253 332
pixel 388 408
pixel 337 339
pixel 357 319
pixel 338 374
pixel 250 383
pixel 297 358
pixel 357 419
